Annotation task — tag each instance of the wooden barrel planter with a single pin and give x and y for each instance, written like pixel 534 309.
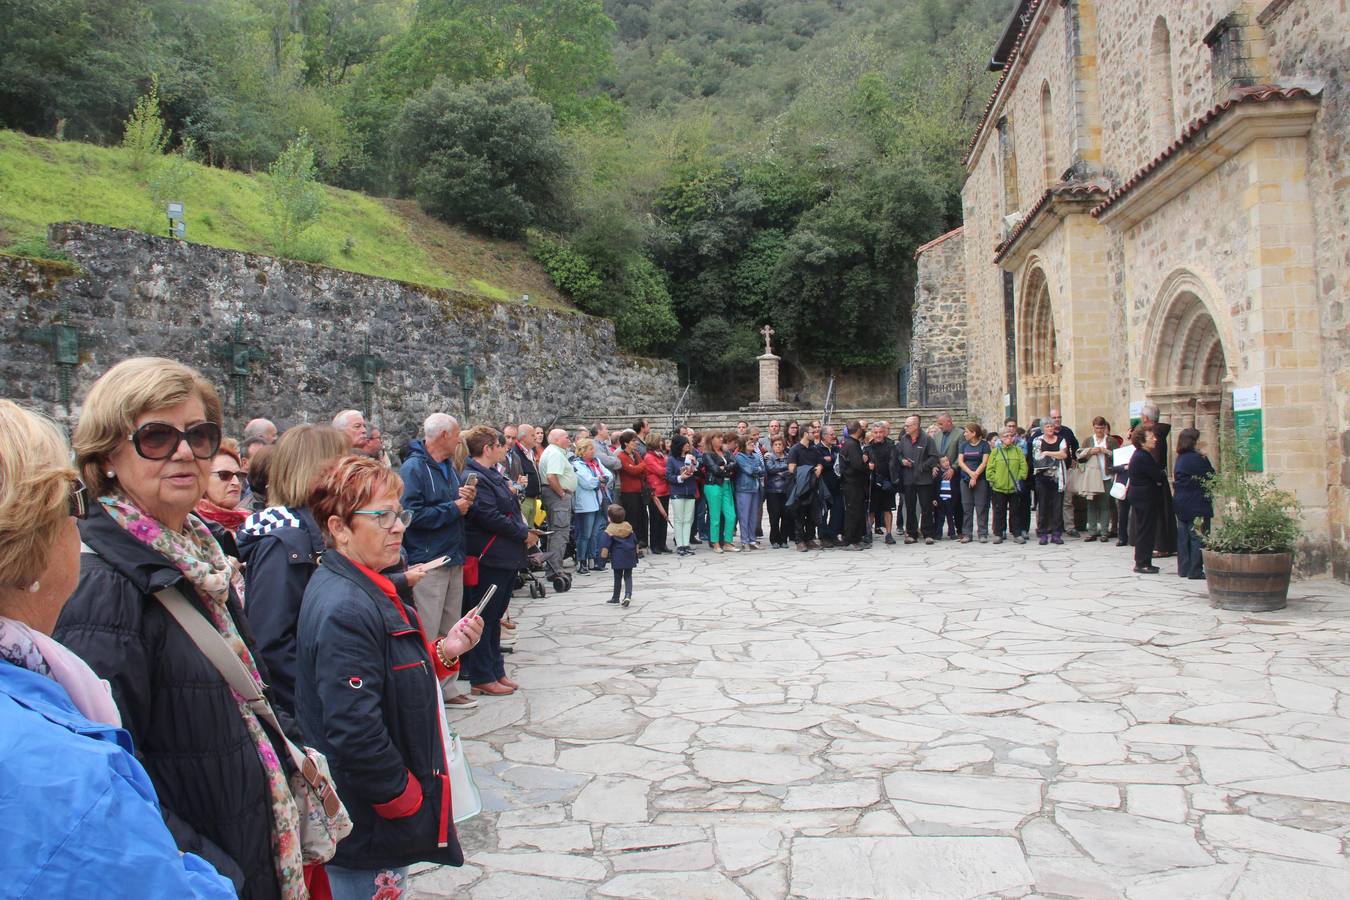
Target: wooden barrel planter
pixel 1248 582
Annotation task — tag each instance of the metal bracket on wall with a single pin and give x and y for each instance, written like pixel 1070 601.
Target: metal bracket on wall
pixel 65 342
pixel 370 366
pixel 238 355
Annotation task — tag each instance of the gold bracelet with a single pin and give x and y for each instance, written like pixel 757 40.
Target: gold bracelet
pixel 440 652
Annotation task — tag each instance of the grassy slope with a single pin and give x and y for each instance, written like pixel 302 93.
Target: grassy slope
pixel 43 181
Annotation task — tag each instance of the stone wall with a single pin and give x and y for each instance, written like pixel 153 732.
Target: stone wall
pixel 939 357
pixel 136 294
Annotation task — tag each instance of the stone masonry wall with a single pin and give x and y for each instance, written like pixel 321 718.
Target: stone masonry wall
pixel 136 294
pixel 1311 38
pixel 939 354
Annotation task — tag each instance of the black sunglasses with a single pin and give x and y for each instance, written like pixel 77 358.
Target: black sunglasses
pixel 79 499
pixel 160 440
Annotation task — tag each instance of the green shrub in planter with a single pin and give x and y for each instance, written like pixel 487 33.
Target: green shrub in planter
pixel 1251 513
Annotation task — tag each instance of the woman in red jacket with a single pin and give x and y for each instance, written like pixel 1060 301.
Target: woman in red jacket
pixel 658 493
pixel 633 485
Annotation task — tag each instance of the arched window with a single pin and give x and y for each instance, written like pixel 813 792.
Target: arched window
pixel 1048 135
pixel 1162 113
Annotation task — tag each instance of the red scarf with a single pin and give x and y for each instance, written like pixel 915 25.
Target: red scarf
pixel 387 588
pixel 229 519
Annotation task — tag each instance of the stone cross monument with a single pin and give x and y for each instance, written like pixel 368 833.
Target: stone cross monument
pixel 768 370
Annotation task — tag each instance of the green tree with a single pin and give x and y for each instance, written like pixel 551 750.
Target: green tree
pixel 485 155
pixel 294 198
pixel 145 136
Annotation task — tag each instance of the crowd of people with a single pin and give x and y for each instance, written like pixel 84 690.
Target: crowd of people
pixel 363 594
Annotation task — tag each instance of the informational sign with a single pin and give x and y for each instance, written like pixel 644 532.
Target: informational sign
pixel 1247 422
pixel 1007 406
pixel 1136 409
pixel 175 210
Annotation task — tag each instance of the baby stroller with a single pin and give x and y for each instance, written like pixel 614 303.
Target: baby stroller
pixel 539 562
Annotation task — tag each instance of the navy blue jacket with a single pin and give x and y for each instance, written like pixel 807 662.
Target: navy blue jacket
pixel 1189 501
pixel 430 490
pixel 681 490
pixel 368 698
pixel 622 543
pixel 179 709
pixel 1147 480
pixel 775 473
pixel 495 512
pixel 280 547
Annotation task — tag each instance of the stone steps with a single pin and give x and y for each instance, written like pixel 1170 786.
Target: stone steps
pixel 726 419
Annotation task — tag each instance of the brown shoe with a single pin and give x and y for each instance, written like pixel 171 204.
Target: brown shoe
pixel 492 689
pixel 509 683
pixel 461 701
pixel 508 624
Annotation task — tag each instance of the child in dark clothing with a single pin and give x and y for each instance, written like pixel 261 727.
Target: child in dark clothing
pixel 619 545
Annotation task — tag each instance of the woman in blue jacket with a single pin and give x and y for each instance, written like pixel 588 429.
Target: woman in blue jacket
pixel 81 818
pixel 1190 503
pixel 682 476
pixel 495 534
pixel 749 481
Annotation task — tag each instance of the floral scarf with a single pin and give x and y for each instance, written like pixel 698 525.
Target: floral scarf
pixel 30 649
pixel 197 555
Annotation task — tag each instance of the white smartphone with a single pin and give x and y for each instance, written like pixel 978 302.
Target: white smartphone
pixel 478 610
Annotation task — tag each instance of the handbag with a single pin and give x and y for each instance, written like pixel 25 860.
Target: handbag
pixel 1118 490
pixel 471 564
pixel 323 819
pixel 465 800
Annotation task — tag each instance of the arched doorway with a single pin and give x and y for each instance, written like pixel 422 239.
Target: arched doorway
pixel 1190 369
pixel 1037 350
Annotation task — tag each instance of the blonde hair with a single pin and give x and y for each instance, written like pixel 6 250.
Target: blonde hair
pixel 582 445
pixel 124 393
pixel 35 481
pixel 299 458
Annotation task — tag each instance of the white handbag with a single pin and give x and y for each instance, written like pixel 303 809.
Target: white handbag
pixel 1118 490
pixel 465 800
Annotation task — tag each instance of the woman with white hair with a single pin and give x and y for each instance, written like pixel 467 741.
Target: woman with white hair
pixel 81 814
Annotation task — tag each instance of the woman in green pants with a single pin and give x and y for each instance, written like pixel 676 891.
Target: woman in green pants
pixel 719 474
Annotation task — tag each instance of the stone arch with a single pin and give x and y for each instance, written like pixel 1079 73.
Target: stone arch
pixel 1189 374
pixel 1048 135
pixel 1162 96
pixel 1039 364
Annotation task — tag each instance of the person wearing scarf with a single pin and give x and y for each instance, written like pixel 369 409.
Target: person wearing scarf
pixel 219 507
pixel 146 441
pixel 82 818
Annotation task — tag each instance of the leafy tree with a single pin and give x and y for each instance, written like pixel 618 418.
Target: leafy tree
pixel 294 198
pixel 145 137
pixel 485 155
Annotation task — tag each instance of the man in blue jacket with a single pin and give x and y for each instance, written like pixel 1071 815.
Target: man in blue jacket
pixel 432 492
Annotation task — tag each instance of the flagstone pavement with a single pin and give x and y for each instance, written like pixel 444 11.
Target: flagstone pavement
pixel 946 721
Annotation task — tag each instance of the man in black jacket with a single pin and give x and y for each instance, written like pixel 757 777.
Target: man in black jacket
pixel 855 475
pixel 915 465
pixel 882 502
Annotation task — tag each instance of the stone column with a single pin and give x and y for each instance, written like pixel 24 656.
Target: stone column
pixel 768 378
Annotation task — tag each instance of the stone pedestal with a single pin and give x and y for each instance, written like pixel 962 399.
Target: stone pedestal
pixel 768 378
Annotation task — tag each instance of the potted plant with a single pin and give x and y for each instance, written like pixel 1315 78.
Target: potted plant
pixel 1249 551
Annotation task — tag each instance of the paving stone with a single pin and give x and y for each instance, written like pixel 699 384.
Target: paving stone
pixel 837 795
pixel 1266 878
pixel 742 847
pixel 761 768
pixel 907 867
pixel 1220 766
pixel 1193 736
pixel 1089 749
pixel 1211 881
pixel 614 759
pixel 549 865
pixel 1251 833
pixel 767 882
pixel 1157 801
pixel 510 886
pixel 949 759
pixel 664 886
pixel 1085 793
pixel 1132 843
pixel 612 799
pixel 1315 786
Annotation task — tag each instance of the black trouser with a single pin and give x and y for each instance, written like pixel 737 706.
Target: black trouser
pixel 657 523
pixel 804 517
pixel 958 509
pixel 832 525
pixel 484 663
pixel 919 509
pixel 1005 513
pixel 1049 506
pixel 1123 522
pixel 623 577
pixel 635 511
pixel 1144 525
pixel 780 522
pixel 855 511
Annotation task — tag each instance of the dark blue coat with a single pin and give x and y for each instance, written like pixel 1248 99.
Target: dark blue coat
pixel 430 490
pixel 495 512
pixel 1147 480
pixel 775 473
pixel 1189 501
pixel 280 547
pixel 368 697
pixel 681 490
pixel 622 543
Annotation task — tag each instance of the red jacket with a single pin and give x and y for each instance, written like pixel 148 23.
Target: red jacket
pixel 655 464
pixel 632 473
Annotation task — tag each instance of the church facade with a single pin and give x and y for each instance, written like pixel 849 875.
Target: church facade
pixel 1157 209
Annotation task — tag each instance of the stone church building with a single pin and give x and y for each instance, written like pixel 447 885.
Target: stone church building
pixel 1157 208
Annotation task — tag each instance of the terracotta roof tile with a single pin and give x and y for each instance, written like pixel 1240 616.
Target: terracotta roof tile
pixel 933 243
pixel 1261 93
pixel 1059 189
pixel 1008 68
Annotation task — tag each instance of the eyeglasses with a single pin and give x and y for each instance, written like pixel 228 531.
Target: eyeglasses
pixel 227 476
pixel 385 518
pixel 160 440
pixel 79 499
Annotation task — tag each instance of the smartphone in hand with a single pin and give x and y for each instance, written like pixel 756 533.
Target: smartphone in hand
pixel 478 610
pixel 471 480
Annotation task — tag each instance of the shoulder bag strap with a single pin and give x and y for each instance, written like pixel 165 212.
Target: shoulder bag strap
pixel 227 663
pixel 492 540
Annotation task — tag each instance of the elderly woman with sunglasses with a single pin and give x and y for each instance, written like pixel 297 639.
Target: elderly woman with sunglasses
pixel 145 444
pixel 219 508
pixel 368 685
pixel 81 817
